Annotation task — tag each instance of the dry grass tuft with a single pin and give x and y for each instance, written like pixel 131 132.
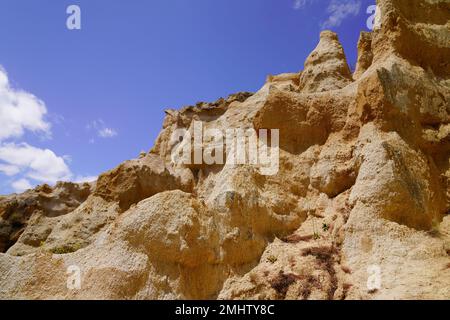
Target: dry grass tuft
pixel 326 259
pixel 296 238
pixel 282 282
pixel 306 287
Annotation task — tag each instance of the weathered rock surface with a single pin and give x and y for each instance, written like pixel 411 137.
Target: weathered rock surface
pixel 362 195
pixel 139 179
pixel 365 54
pixel 28 218
pixel 326 67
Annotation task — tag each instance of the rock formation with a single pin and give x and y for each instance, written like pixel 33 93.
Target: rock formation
pixel 365 54
pixel 326 68
pixel 359 208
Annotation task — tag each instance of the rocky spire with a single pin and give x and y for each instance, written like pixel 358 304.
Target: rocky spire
pixel 326 67
pixel 365 55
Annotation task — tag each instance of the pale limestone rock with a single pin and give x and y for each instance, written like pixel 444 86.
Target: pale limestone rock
pixel 334 171
pixel 326 67
pixel 365 54
pixel 139 179
pixel 363 185
pixel 39 209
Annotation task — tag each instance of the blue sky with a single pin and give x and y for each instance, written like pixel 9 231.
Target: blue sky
pixel 75 103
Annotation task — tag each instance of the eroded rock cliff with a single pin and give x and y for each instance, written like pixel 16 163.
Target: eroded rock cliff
pixel 362 190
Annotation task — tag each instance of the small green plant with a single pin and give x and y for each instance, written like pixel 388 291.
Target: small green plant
pixel 435 229
pixel 66 249
pixel 325 227
pixel 272 259
pixel 316 234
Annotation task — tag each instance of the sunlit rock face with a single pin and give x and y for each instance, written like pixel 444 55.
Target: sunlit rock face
pixel 358 208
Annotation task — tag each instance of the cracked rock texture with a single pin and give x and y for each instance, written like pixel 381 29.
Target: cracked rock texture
pixel 363 186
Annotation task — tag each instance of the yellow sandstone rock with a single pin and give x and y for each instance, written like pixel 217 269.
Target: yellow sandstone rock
pixel 358 209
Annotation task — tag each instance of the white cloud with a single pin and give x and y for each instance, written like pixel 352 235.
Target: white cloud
pixel 9 170
pixel 101 129
pixel 32 166
pixel 19 111
pixel 107 133
pixel 42 165
pixel 82 179
pixel 339 10
pixel 21 185
pixel 298 4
